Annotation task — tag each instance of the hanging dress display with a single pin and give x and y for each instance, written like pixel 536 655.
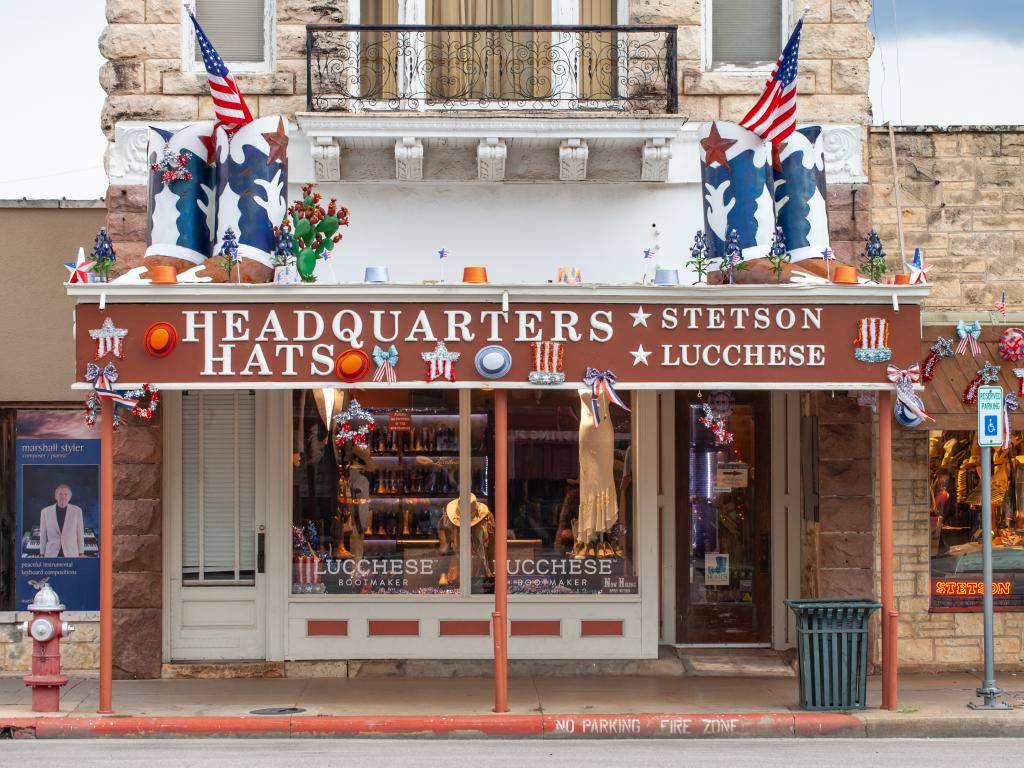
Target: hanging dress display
pixel 598 498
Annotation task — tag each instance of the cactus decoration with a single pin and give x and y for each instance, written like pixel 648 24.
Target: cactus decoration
pixel 699 261
pixel 103 254
pixel 873 258
pixel 779 256
pixel 314 231
pixel 229 252
pixel 732 260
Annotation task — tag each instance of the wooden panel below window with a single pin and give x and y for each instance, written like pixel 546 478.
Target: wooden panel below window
pixel 465 628
pixel 537 628
pixel 326 628
pixel 601 628
pixel 394 627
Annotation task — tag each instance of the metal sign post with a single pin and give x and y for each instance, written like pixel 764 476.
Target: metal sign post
pixel 990 434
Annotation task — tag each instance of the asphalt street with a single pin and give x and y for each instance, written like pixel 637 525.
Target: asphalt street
pixel 285 753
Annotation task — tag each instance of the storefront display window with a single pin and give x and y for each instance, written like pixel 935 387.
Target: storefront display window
pixel 570 497
pixel 955 522
pixel 381 516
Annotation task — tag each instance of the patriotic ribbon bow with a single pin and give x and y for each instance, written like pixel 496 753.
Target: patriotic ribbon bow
pixel 385 360
pixel 601 382
pixel 1010 405
pixel 904 379
pixel 102 378
pixel 969 335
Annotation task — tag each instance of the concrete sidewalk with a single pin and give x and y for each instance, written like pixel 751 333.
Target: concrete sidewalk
pixel 677 707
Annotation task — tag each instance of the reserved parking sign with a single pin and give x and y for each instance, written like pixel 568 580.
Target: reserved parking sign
pixel 990 416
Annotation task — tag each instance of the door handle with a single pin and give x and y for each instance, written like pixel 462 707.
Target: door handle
pixel 261 552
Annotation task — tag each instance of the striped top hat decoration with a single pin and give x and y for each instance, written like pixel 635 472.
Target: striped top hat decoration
pixel 872 342
pixel 547 358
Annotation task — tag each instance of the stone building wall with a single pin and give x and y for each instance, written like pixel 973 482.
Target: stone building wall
pixel 962 195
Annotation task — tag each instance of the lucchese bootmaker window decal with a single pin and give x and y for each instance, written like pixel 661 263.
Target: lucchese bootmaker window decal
pixel 266 343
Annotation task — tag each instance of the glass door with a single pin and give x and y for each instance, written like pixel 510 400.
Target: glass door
pixel 723 541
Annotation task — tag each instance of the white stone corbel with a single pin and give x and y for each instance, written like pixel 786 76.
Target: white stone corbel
pixel 572 160
pixel 655 155
pixel 491 154
pixel 409 159
pixel 127 160
pixel 843 148
pixel 326 159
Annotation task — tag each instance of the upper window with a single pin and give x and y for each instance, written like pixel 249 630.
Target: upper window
pixel 240 30
pixel 744 33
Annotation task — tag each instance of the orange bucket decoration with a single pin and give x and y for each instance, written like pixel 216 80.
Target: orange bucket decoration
pixel 843 274
pixel 474 275
pixel 162 274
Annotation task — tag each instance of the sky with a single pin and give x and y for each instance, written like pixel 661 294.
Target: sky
pixel 936 62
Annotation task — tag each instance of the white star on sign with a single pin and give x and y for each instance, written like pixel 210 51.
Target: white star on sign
pixel 640 355
pixel 639 317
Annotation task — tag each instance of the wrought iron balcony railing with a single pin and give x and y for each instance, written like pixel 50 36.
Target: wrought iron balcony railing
pixel 358 67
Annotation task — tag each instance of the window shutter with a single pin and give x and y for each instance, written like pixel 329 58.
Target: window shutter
pixel 235 27
pixel 218 484
pixel 746 31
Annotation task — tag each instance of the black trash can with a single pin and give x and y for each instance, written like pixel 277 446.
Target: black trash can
pixel 832 649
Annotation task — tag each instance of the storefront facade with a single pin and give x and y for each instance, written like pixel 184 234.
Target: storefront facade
pixel 280 545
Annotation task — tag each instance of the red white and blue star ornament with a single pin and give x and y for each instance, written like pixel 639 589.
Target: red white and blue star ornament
pixel 987 374
pixel 918 269
pixel 355 423
pixel 440 363
pixel 940 349
pixel 109 340
pixel 80 268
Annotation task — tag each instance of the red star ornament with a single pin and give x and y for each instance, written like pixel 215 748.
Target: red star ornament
pixel 715 147
pixel 278 141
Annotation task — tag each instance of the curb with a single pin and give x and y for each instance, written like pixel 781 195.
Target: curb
pixel 728 725
pixel 508 726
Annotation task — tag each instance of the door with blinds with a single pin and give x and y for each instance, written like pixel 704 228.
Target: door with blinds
pixel 217 580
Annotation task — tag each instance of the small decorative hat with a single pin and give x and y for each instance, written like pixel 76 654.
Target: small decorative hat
pixel 666 276
pixel 493 362
pixel 546 358
pixel 1011 344
pixel 160 339
pixel 376 275
pixel 872 342
pixel 352 365
pixel 903 415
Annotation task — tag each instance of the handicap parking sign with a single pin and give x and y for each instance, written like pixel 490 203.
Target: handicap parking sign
pixel 990 416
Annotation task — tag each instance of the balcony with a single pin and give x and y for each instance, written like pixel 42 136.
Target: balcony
pixel 358 68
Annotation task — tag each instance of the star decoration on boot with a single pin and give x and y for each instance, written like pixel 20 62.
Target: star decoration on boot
pixel 715 147
pixel 79 268
pixel 109 339
pixel 278 141
pixel 440 363
pixel 777 156
pixel 210 142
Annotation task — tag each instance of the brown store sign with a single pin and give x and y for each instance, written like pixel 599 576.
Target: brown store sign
pixel 271 344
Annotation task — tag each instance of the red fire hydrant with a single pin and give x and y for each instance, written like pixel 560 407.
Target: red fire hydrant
pixel 46 629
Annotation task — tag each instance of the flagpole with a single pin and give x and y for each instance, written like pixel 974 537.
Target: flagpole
pixel 896 193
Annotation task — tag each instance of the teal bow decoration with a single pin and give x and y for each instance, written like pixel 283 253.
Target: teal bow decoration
pixel 389 355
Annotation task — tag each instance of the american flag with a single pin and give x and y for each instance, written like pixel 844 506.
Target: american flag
pixel 443 253
pixel 228 105
pixel 1001 305
pixel 773 117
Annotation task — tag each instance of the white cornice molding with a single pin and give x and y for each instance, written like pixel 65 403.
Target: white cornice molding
pixel 228 293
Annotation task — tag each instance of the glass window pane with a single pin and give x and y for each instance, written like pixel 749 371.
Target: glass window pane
pixel 379 518
pixel 234 27
pixel 570 495
pixel 746 31
pixel 956 519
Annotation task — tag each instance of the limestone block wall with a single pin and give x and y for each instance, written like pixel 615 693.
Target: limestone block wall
pixel 962 203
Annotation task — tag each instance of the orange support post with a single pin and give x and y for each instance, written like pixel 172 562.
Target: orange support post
pixel 889 616
pixel 500 615
pixel 106 556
